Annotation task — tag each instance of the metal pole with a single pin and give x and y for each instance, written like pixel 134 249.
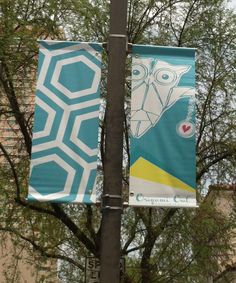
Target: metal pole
pixel 112 191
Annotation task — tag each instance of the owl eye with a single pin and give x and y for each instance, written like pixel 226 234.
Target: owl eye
pixel 165 76
pixel 139 72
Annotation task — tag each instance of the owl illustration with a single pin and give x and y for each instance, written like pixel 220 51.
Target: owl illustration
pixel 154 90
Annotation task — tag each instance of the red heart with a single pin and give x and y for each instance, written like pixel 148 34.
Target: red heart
pixel 186 128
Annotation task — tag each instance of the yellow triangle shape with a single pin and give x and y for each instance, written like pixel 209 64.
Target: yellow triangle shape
pixel 144 169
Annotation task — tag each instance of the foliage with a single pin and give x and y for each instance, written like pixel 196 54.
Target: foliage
pixel 161 245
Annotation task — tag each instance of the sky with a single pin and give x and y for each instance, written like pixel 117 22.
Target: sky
pixel 233 4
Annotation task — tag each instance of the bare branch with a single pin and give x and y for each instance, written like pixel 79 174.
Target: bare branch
pixel 61 215
pixel 42 250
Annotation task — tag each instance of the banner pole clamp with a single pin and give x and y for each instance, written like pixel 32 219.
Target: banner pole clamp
pixel 117 35
pixel 112 202
pixel 121 36
pixel 129 46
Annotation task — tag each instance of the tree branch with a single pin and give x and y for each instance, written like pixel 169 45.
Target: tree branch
pixel 42 250
pixel 185 23
pixel 11 95
pixel 7 156
pixel 131 236
pixel 65 219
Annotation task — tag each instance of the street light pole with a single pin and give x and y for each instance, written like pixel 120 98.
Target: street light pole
pixel 114 121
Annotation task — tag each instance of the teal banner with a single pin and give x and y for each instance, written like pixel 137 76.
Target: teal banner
pixel 162 169
pixel 65 134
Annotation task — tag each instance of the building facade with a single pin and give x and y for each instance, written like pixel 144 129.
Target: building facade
pixel 224 199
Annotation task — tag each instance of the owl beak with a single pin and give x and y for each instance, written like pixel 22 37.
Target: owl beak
pixel 145 109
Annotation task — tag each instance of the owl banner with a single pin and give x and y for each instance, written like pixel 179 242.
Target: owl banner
pixel 65 134
pixel 162 169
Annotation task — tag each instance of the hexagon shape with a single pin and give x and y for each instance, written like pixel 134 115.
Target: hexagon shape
pixel 70 91
pixel 40 122
pixel 45 125
pixel 79 82
pixel 80 135
pixel 64 181
pixel 87 132
pixel 54 177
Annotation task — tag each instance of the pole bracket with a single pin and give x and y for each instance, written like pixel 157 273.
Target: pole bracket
pixel 112 202
pixel 105 45
pixel 117 35
pixel 129 46
pixel 112 208
pixel 111 196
